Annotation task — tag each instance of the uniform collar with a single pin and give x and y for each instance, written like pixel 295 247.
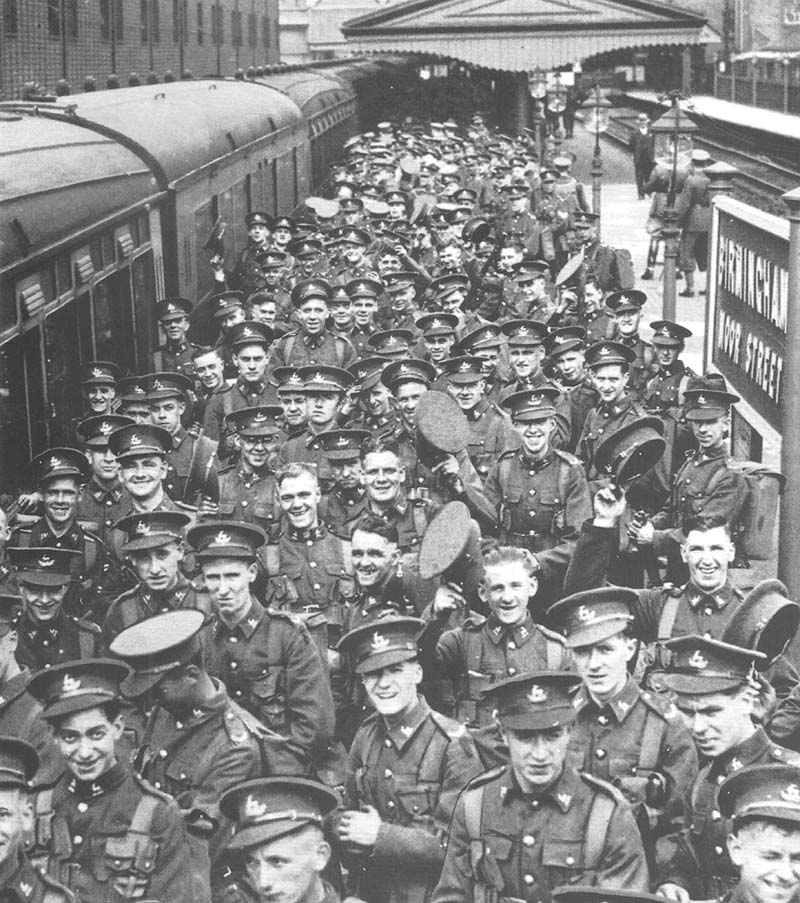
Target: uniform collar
pixel 673 369
pixel 87 790
pixel 620 706
pixel 710 455
pixel 248 477
pixel 101 491
pixel 719 600
pixel 351 494
pixel 398 507
pixel 178 438
pixel 390 594
pixel 519 633
pixel 248 389
pixel 173 597
pixel 751 750
pixel 620 406
pixel 48 538
pixel 313 341
pixel 630 341
pixel 24 882
pixel 177 347
pixel 312 534
pixel 401 731
pixel 562 791
pixel 44 629
pixel 207 710
pixel 478 411
pixel 248 624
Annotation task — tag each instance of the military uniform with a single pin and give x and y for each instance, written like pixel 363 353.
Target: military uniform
pixel 297 349
pixel 233 398
pixel 115 838
pixel 187 452
pixel 412 773
pixel 643 367
pixel 249 497
pixel 599 325
pixel 140 603
pixel 100 506
pixel 664 397
pixel 359 336
pixel 603 421
pixel 516 846
pixel 271 667
pixel 482 651
pixel 490 435
pixel 339 509
pixel 305 448
pixel 701 863
pixel 28 885
pixel 175 357
pixel 582 398
pixel 63 638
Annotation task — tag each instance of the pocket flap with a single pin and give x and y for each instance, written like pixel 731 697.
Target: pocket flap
pixel 564 854
pixel 499 847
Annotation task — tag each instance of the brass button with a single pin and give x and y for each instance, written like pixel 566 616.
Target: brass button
pixel 83 807
pixel 600 753
pixel 388 773
pixel 528 840
pixel 528 879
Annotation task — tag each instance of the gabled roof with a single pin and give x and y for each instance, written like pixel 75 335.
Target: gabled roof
pixel 520 35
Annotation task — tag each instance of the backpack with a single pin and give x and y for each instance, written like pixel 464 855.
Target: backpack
pixel 623 263
pixel 756 528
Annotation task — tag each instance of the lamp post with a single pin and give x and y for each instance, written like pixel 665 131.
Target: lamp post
pixel 537 88
pixel 673 140
pixel 596 120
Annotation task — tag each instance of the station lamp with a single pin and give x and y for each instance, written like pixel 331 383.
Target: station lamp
pixel 596 118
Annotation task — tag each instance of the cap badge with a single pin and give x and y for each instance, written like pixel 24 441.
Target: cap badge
pixel 404 368
pixel 106 428
pixel 736 764
pixel 247 331
pixel 46 561
pixel 560 339
pixel 158 385
pixel 537 695
pixel 253 808
pixel 26 888
pixel 172 308
pixel 317 378
pixel 56 462
pixel 342 441
pixel 435 324
pixel 136 439
pixel 379 642
pixel 586 614
pixel 70 685
pixel 97 372
pixel 260 417
pixel 791 794
pixel 523 330
pixel 465 366
pixel 143 528
pixel 565 799
pixel 665 331
pixel 702 400
pixel 698 661
pixel 222 539
pixel 605 351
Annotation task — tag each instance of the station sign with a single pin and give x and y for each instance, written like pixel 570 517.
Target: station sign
pixel 748 297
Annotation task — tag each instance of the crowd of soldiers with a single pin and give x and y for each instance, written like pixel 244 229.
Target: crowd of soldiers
pixel 413 586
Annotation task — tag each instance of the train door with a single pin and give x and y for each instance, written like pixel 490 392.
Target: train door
pixel 144 294
pixel 112 318
pixel 67 341
pixel 21 391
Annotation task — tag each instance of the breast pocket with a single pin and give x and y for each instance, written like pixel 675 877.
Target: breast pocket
pixel 416 803
pixel 564 856
pixel 268 695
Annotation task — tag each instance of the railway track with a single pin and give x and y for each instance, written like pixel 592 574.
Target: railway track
pixel 760 181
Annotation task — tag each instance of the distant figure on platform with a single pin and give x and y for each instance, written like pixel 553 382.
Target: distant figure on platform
pixel 642 145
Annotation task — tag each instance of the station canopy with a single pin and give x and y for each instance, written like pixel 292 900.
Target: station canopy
pixel 522 35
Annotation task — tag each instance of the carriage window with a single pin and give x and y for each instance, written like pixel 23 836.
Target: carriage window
pixel 63 274
pixel 144 295
pixel 62 371
pixel 113 320
pixel 15 438
pixel 8 304
pixel 204 218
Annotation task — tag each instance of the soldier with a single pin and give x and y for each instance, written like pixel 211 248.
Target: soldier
pixel 197 742
pixel 154 545
pixel 517 220
pixel 100 828
pixel 167 395
pixel 373 410
pixel 142 455
pixel 355 264
pixel 719 691
pixel 340 308
pixel 101 501
pixel 490 433
pixel 364 294
pixel 133 400
pixel 346 500
pixel 704 485
pixel 609 363
pixel 539 492
pixel 633 738
pixel 694 217
pixel 393 344
pixel 21 880
pixel 526 340
pixel 401 288
pixel 520 830
pixel 438 337
pixel 99 387
pixel 626 308
pixel 279 846
pixel 599 260
pixel 309 261
pixel 292 400
pixel 59 474
pixel 312 343
pixel 488 343
pixel 249 343
pixel 246 275
pixel 265 658
pixel 175 355
pixel 594 315
pixel 567 186
pixel 209 368
pixel 762 802
pixel 228 310
pixel 47 634
pixel 247 488
pixel 406 767
pixel 567 361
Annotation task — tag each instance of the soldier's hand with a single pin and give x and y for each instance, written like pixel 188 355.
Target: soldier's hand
pixel 448 598
pixel 673 892
pixel 608 507
pixel 207 507
pixel 360 828
pixel 28 502
pixel 216 263
pixel 451 470
pixel 642 534
pixel 334 660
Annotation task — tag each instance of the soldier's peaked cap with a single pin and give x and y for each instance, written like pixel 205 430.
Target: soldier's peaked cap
pixel 156 646
pixel 173 309
pixel 525 332
pixel 442 427
pixel 669 334
pixel 701 665
pixel 343 445
pixel 94 431
pixel 381 643
pixel 565 339
pixel 411 370
pixel 391 342
pixel 463 370
pixel 593 615
pixel 766 620
pixel 165 385
pixel 532 404
pixel 437 324
pixel 289 379
pixel 266 809
pixel 602 353
pixel 226 539
pixel 55 463
pixel 309 289
pixel 324 378
pixel 249 332
pixel 152 529
pixel 140 439
pixel 225 303
pixel 364 288
pixel 626 301
pixel 762 791
pixel 43 566
pixel 581 893
pixel 100 373
pixel 367 371
pixel 260 420
pixel 19 762
pixel 486 336
pixel 535 701
pixel 631 451
pixel 79 685
pixel 708 404
pixel 258 218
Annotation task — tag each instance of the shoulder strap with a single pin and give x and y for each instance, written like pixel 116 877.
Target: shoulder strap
pixel 158 361
pixel 288 347
pixel 227 402
pixel 652 732
pixel 563 479
pixel 419 519
pixel 473 809
pixel 142 821
pixel 610 327
pixel 716 479
pixel 554 653
pixel 600 812
pixel 86 643
pixel 273 559
pixel 668 615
